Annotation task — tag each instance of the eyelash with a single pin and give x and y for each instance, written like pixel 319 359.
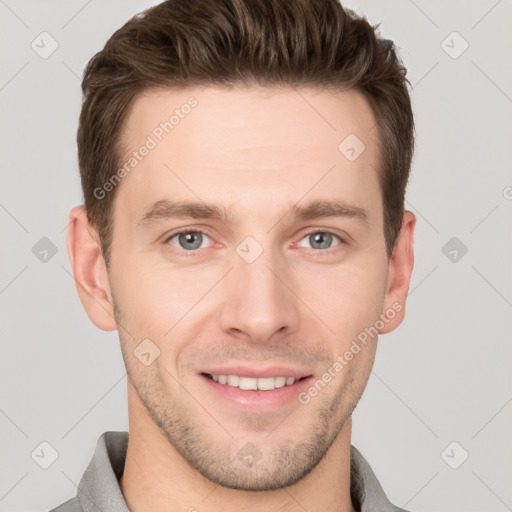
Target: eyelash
pixel 194 252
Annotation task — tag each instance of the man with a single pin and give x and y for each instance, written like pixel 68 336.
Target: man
pixel 244 165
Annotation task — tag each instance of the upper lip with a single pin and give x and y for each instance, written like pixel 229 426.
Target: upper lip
pixel 268 371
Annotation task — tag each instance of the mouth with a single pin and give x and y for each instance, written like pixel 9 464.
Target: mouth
pixel 262 394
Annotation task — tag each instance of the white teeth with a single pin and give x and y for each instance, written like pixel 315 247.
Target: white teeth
pixel 252 383
pixel 266 383
pixel 279 382
pixel 233 380
pixel 247 383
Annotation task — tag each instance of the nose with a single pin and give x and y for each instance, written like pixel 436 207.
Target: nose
pixel 259 299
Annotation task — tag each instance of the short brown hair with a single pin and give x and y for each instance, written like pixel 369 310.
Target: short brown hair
pixel 314 43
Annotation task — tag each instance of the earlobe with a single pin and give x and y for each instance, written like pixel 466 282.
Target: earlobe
pixel 400 269
pixel 89 270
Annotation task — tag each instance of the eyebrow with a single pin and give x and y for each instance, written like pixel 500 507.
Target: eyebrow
pixel 166 209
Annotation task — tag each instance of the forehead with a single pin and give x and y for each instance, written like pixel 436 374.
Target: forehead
pixel 248 116
pixel 250 142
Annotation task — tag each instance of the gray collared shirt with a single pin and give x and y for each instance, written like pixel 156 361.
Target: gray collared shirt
pixel 98 490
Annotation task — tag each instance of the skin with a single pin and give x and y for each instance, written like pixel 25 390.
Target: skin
pixel 258 151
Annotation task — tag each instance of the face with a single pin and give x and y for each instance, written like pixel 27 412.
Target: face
pixel 246 244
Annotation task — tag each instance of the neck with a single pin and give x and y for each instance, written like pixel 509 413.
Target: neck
pixel 156 478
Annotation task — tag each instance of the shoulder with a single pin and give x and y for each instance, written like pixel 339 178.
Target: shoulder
pixel 72 505
pixel 365 489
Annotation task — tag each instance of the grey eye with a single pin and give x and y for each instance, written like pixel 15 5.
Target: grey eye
pixel 188 240
pixel 320 240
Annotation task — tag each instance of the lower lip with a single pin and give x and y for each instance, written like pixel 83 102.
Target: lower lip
pixel 257 399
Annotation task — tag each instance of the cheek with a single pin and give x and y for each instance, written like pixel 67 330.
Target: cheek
pixel 158 301
pixel 347 298
pixel 144 298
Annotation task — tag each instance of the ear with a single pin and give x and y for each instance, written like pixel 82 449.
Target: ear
pixel 399 274
pixel 89 270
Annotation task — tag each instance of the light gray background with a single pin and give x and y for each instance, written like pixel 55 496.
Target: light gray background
pixel 443 376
